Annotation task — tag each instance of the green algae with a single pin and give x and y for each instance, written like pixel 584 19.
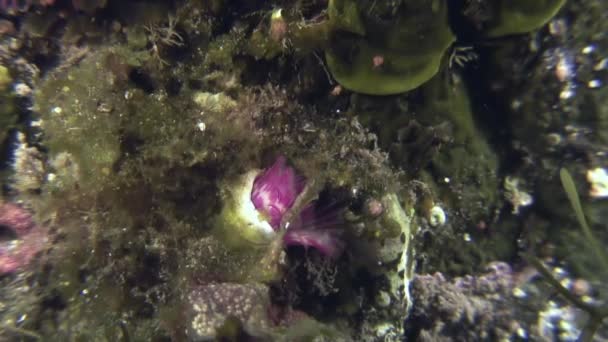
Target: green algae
pixel 516 17
pixel 345 15
pixel 5 78
pixel 222 50
pixel 8 114
pixel 435 136
pixel 381 57
pixel 448 115
pixel 143 176
pixel 139 173
pixel 112 147
pixel 261 47
pixel 383 48
pixel 72 108
pixel 468 162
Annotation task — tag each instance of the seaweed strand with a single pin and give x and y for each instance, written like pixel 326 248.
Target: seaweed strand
pixel 596 314
pixel 572 194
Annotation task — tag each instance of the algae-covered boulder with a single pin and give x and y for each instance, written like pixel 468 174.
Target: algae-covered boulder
pixel 383 48
pixel 80 114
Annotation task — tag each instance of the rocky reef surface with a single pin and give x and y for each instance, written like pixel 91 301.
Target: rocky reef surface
pixel 310 170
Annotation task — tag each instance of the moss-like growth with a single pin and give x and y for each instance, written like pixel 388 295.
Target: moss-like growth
pixel 468 161
pixel 260 46
pixel 434 136
pixel 84 103
pixel 380 48
pixel 5 78
pixel 521 16
pixel 141 180
pixel 8 116
pixel 222 51
pixel 144 163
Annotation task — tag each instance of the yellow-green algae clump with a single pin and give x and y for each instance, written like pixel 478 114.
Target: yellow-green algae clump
pixel 71 107
pixel 137 180
pixel 373 55
pixel 516 17
pixel 390 47
pixel 8 116
pixel 131 191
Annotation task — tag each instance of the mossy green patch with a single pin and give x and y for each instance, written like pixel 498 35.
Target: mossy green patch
pixel 468 161
pixel 381 50
pixel 81 111
pixel 8 116
pixel 144 163
pixel 5 78
pixel 521 16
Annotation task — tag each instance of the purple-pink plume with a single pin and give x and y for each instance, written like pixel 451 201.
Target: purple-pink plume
pixel 274 192
pixel 325 241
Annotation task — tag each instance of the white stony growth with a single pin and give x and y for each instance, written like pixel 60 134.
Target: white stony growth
pixel 245 208
pixel 598 180
pixel 517 196
pixel 437 216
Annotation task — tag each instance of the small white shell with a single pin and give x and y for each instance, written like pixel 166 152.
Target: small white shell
pixel 598 179
pixel 437 216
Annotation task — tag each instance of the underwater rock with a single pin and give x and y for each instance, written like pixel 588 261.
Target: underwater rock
pixel 212 304
pixel 552 97
pixel 434 134
pixel 468 308
pixel 395 261
pixel 233 311
pixel 80 114
pixel 552 89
